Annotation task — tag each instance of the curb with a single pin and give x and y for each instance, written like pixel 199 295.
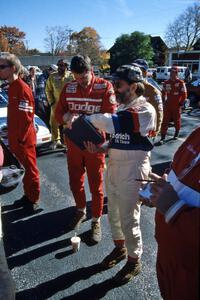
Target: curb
pixel 7 288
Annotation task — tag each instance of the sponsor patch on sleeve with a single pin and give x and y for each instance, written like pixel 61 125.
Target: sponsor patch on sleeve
pixel 71 88
pixel 24 106
pixel 112 99
pixel 111 91
pixel 158 98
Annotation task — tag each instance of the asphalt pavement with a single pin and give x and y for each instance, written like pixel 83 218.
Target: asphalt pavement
pixel 38 246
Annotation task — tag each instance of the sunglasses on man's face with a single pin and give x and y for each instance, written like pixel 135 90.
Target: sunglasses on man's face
pixel 2 67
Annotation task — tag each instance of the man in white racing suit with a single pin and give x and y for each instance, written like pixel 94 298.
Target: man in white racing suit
pixel 129 153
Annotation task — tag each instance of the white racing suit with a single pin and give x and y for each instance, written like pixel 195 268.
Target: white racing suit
pixel 129 158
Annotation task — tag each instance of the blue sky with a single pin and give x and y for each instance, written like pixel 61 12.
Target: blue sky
pixel 110 18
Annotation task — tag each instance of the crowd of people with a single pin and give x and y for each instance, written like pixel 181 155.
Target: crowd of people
pixel 130 112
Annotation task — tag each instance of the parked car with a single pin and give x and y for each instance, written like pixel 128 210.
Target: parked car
pixel 38 71
pixel 163 73
pixel 43 133
pixel 193 89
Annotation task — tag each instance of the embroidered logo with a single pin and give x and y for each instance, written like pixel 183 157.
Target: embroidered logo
pixel 100 86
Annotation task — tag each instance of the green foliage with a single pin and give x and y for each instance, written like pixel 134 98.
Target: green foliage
pixel 129 47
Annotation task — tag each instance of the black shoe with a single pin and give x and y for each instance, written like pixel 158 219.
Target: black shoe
pixel 118 254
pixel 176 135
pixel 32 207
pixel 130 270
pixel 161 142
pixel 21 202
pixel 28 205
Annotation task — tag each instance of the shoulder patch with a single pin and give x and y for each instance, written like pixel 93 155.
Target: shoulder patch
pixel 99 86
pixel 71 87
pixel 112 99
pixel 111 91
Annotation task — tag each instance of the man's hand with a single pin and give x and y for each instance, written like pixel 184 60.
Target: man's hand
pixel 69 118
pixel 90 147
pixel 163 195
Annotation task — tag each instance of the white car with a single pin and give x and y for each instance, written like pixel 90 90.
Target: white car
pixel 38 71
pixel 42 132
pixel 163 73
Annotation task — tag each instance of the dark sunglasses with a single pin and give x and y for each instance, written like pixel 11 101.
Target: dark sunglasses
pixel 2 67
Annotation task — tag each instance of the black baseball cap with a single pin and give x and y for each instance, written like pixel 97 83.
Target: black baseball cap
pixel 141 63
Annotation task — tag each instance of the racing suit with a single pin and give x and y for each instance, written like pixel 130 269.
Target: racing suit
pixel 178 231
pixel 22 135
pixel 54 86
pixel 174 94
pixel 129 154
pixel 153 96
pixel 97 97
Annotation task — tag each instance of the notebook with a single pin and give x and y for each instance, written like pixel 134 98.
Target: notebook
pixel 82 131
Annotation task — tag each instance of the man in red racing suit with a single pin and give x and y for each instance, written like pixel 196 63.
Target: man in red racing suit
pixel 174 94
pixel 87 94
pixel 21 130
pixel 178 223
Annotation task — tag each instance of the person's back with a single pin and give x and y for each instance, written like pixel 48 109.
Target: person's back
pixel 21 126
pixel 153 96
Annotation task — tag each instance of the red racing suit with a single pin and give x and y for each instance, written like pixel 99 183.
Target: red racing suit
pixel 179 238
pixel 174 94
pixel 22 135
pixel 98 97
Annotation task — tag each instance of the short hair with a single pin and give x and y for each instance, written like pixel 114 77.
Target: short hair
pixel 80 64
pixel 13 60
pixel 64 61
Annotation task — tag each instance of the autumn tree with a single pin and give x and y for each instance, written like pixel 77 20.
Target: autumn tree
pixel 104 63
pixel 87 42
pixel 129 47
pixel 3 43
pixel 57 39
pixel 185 30
pixel 11 39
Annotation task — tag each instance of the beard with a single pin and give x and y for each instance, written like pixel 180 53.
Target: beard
pixel 123 97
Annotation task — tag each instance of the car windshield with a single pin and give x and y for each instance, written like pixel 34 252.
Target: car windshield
pixel 38 121
pixel 196 83
pixel 3 121
pixel 3 99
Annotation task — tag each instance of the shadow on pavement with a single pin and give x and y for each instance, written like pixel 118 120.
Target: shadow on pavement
pixel 23 259
pixel 94 292
pixel 35 230
pixel 50 288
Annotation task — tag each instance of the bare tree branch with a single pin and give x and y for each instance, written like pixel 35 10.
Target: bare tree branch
pixel 58 39
pixel 185 30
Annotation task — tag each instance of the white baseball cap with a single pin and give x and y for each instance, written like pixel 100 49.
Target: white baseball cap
pixel 53 67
